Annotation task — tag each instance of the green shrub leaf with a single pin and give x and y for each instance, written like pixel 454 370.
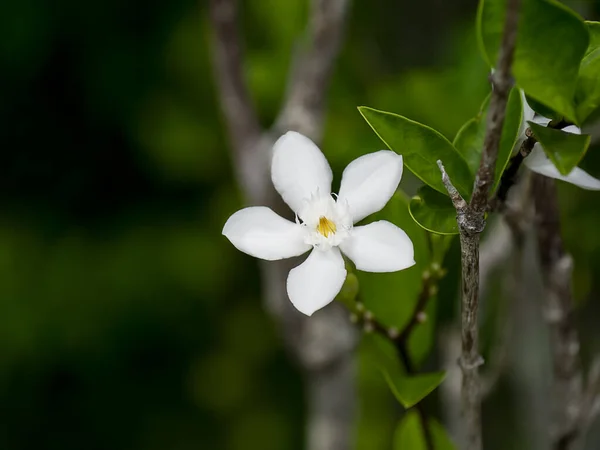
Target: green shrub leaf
pixel 434 211
pixel 565 150
pixel 409 434
pixel 587 93
pixel 421 147
pixel 551 43
pixel 469 139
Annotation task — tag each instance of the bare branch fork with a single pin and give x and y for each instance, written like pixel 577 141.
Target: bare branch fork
pixel 323 345
pixel 471 221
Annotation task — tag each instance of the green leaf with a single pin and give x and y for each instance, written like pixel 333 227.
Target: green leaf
pixel 551 43
pixel 542 109
pixel 421 147
pixel 587 93
pixel 408 389
pixel 392 297
pixel 565 150
pixel 469 142
pixel 469 139
pixel 510 133
pixel 409 434
pixel 434 211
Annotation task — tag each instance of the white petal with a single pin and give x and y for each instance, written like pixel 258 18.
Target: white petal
pixel 299 169
pixel 572 129
pixel 538 162
pixel 379 247
pixel 261 233
pixel 315 283
pixel 369 182
pixel 541 120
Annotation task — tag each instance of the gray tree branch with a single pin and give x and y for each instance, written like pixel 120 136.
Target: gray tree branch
pixel 557 266
pixel 471 221
pixel 304 106
pixel 323 345
pixel 590 404
pixel 241 119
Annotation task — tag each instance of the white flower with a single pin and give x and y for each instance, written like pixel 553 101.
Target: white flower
pixel 302 176
pixel 538 162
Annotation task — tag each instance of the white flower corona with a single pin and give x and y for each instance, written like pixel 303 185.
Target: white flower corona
pixel 538 162
pixel 302 176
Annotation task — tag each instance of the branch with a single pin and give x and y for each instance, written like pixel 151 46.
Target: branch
pixel 459 203
pixel 502 83
pixel 471 221
pixel 509 177
pixel 240 116
pixel 323 345
pixel 557 267
pixel 305 102
pixel 590 405
pixel 400 338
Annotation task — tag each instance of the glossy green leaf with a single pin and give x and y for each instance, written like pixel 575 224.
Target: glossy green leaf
pixel 392 296
pixel 594 30
pixel 469 139
pixel 565 150
pixel 551 43
pixel 409 434
pixel 408 389
pixel 382 354
pixel 434 211
pixel 421 147
pixel 469 142
pixel 542 109
pixel 587 94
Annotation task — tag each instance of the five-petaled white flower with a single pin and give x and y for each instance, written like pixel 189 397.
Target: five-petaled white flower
pixel 302 176
pixel 538 162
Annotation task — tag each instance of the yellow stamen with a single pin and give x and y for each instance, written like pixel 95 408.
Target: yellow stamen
pixel 326 226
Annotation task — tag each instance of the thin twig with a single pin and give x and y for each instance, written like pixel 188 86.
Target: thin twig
pixel 509 177
pixel 557 266
pixel 471 221
pixel 502 83
pixel 459 203
pixel 400 339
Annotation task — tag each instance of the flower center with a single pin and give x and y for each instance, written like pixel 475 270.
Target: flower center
pixel 326 227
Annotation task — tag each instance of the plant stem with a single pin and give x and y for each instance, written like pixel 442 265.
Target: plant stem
pixel 559 312
pixel 400 341
pixel 471 221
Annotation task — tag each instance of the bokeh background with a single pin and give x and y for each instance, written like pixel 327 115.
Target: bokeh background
pixel 126 320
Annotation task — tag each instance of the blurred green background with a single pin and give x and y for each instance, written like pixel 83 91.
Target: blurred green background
pixel 126 320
